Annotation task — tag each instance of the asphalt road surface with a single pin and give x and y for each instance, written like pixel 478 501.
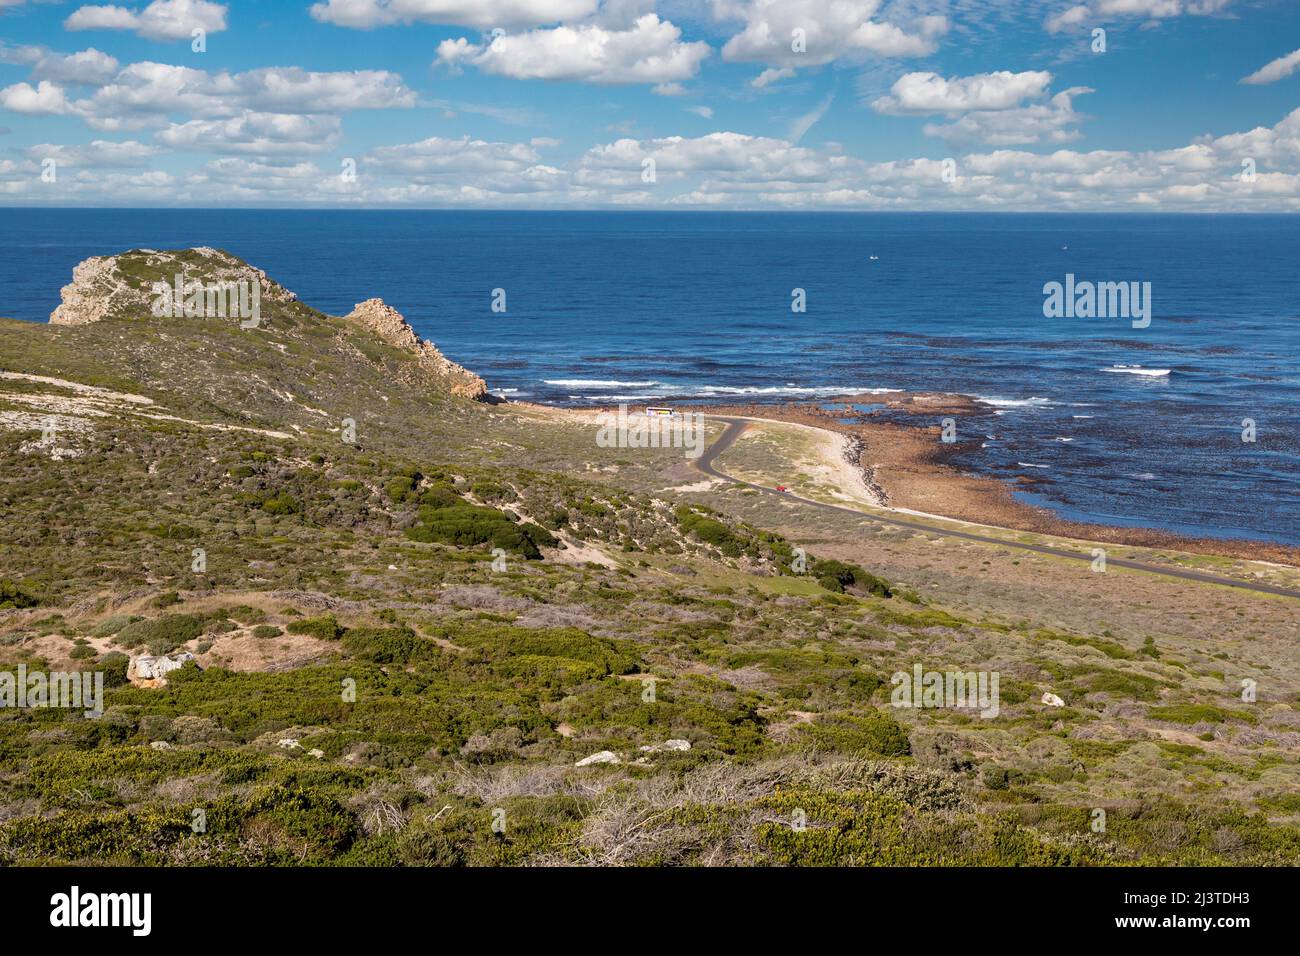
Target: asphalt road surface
pixel 737 425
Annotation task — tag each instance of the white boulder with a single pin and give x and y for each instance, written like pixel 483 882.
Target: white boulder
pixel 604 756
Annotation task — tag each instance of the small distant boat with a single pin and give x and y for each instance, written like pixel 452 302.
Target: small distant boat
pixel 874 258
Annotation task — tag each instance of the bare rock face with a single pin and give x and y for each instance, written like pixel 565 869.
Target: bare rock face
pixel 122 285
pixel 90 297
pixel 150 671
pixel 388 324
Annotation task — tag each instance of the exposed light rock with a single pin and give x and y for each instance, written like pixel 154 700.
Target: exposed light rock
pixel 603 756
pixel 667 745
pixel 1051 700
pixel 151 671
pixel 392 327
pixel 122 285
pixel 95 290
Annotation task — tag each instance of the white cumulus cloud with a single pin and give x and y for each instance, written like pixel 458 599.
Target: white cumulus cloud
pixel 932 93
pixel 160 20
pixel 799 33
pixel 262 134
pixel 649 51
pixel 44 99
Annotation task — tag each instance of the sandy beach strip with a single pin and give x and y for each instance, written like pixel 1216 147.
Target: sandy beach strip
pixel 909 466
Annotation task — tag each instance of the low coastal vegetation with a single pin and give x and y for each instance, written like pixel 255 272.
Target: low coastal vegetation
pixel 472 637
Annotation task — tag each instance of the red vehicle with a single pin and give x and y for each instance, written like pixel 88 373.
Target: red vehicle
pixel 781 488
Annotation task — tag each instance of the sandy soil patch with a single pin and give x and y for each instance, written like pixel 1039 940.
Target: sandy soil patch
pixel 708 484
pixel 89 391
pixel 575 553
pixel 240 651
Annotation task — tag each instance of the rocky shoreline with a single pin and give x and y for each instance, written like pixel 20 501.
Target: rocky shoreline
pixel 853 449
pixel 910 469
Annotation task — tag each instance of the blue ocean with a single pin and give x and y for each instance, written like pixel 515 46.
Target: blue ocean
pixel 1129 426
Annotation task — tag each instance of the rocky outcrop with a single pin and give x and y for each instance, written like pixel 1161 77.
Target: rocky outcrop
pixel 96 290
pixel 123 285
pixel 392 327
pixel 199 283
pixel 151 671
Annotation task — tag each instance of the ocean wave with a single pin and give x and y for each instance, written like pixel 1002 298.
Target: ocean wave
pixel 787 390
pixel 617 399
pixel 664 390
pixel 1013 402
pixel 1030 464
pixel 1138 370
pixel 597 383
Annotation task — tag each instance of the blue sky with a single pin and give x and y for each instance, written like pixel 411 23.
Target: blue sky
pixel 767 104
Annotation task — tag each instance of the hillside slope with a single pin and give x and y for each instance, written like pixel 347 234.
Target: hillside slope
pixel 458 632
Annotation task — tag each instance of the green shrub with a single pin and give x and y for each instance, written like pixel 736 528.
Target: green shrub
pixel 114 664
pixel 388 645
pixel 402 488
pixel 282 504
pixel 111 625
pixel 163 635
pixel 838 576
pixel 995 777
pixel 877 734
pixel 326 627
pixel 1197 714
pixel 12 595
pixel 502 642
pixel 465 525
pixel 264 631
pixel 710 531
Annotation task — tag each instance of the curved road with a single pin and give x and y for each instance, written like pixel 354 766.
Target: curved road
pixel 737 425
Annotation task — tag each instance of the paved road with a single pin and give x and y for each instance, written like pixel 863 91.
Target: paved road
pixel 737 425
